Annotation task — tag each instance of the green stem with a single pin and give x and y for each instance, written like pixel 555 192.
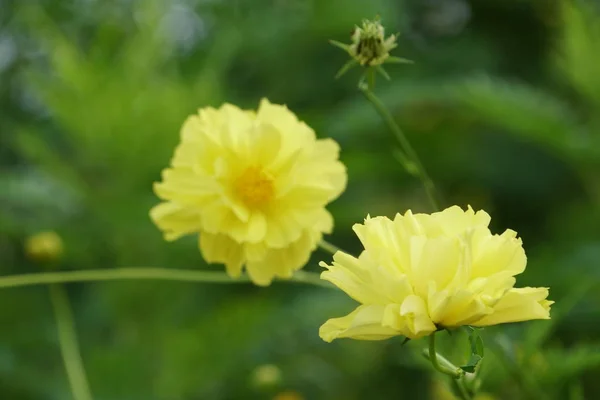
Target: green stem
pixel 371 77
pixel 440 363
pixel 462 389
pixel 328 247
pixel 407 148
pixel 69 347
pixel 148 273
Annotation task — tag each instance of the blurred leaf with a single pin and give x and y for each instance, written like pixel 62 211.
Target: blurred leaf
pixel 579 48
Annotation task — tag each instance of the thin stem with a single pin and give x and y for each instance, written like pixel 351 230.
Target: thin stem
pixel 404 143
pixel 328 247
pixel 148 273
pixel 371 77
pixel 69 347
pixel 440 363
pixel 462 389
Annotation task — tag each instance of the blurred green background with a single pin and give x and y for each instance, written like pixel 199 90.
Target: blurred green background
pixel 502 104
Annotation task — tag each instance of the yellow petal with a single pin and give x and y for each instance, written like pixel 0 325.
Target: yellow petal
pixel 347 273
pixel 257 227
pixel 282 262
pixel 282 229
pixel 185 186
pixel 497 253
pixel 434 260
pixel 265 145
pixel 454 220
pixel 520 304
pixel 416 318
pixel 222 249
pixel 174 220
pixel 364 323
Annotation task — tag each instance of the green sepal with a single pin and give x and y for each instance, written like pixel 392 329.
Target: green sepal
pixel 345 68
pixel 398 60
pixel 343 46
pixel 383 72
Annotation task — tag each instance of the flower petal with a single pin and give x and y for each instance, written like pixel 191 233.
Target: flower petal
pixel 282 262
pixel 364 323
pixel 521 304
pixel 174 220
pixel 222 249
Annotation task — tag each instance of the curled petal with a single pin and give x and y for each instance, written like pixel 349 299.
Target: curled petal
pixel 364 323
pixel 517 305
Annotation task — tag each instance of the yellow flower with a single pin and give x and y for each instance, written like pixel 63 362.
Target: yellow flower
pixel 421 272
pixel 44 246
pixel 254 185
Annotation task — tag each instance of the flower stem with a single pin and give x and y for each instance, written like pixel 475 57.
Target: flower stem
pixel 440 363
pixel 69 347
pixel 328 247
pixel 147 273
pixel 462 389
pixel 407 148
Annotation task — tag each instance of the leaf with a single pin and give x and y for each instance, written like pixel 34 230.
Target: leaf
pixel 477 350
pixel 531 113
pixel 471 364
pixel 577 56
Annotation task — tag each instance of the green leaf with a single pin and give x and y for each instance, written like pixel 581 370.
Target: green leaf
pixel 471 364
pixel 477 350
pixel 476 342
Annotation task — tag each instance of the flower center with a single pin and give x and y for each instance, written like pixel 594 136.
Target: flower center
pixel 254 187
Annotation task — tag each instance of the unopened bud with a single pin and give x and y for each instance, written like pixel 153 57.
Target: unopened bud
pixel 267 375
pixel 288 395
pixel 369 46
pixel 44 247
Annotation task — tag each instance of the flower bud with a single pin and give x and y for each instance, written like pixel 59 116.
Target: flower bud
pixel 44 247
pixel 266 375
pixel 369 46
pixel 288 395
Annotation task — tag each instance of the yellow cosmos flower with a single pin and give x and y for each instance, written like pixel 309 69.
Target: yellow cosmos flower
pixel 420 272
pixel 254 185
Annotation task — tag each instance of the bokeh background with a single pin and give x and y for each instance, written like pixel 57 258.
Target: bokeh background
pixel 502 104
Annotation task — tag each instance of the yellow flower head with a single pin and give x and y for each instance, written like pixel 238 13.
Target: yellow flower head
pixel 254 185
pixel 44 246
pixel 420 273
